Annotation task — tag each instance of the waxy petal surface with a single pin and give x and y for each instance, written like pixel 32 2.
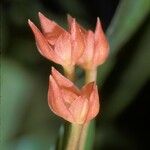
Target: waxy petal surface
pixel 77 40
pixel 101 45
pixel 55 100
pixel 63 48
pixel 64 82
pixel 87 57
pixel 79 109
pixel 50 29
pixel 68 102
pixel 68 96
pixel 42 44
pixel 94 104
pixel 87 89
pixel 70 20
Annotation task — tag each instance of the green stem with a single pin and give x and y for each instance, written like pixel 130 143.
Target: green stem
pixel 70 72
pixel 90 75
pixel 74 137
pixel 72 132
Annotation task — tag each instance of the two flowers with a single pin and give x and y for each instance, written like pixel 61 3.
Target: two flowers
pixel 76 46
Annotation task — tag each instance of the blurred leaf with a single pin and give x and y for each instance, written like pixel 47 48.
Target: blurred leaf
pixel 129 15
pixel 133 79
pixel 119 32
pixel 15 84
pixel 40 121
pixel 20 92
pixel 32 142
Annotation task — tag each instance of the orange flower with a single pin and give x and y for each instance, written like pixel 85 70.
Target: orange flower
pixel 96 48
pixel 67 101
pixel 56 44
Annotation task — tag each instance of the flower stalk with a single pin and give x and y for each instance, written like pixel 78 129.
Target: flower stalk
pixel 70 72
pixel 74 137
pixel 90 75
pixel 73 130
pixel 75 46
pixel 78 135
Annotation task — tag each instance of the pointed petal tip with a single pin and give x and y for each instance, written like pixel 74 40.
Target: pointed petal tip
pixel 69 17
pixel 98 20
pixel 71 20
pixel 50 77
pixel 53 70
pixel 33 26
pixel 98 24
pixel 90 33
pixel 51 80
pixel 40 15
pixel 30 22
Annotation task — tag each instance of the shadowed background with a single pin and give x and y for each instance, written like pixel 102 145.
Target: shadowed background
pixel 26 121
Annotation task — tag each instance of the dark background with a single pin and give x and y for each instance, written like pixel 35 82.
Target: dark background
pixel 27 122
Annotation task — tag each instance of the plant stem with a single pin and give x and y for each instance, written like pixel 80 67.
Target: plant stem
pixel 72 132
pixel 90 75
pixel 70 72
pixel 74 137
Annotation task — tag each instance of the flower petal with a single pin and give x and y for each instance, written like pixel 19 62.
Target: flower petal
pixel 42 44
pixel 56 102
pixel 63 48
pixel 50 29
pixel 68 96
pixel 87 90
pixel 77 40
pixel 79 109
pixel 101 45
pixel 93 103
pixel 86 60
pixel 70 19
pixel 64 82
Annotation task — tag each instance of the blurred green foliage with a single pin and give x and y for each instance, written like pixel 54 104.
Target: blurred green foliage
pixel 26 121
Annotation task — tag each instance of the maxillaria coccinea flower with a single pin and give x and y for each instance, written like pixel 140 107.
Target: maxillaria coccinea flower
pixel 96 48
pixel 56 44
pixel 75 46
pixel 67 101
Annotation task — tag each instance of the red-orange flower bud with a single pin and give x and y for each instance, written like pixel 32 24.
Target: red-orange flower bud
pixel 67 101
pixel 96 48
pixel 56 44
